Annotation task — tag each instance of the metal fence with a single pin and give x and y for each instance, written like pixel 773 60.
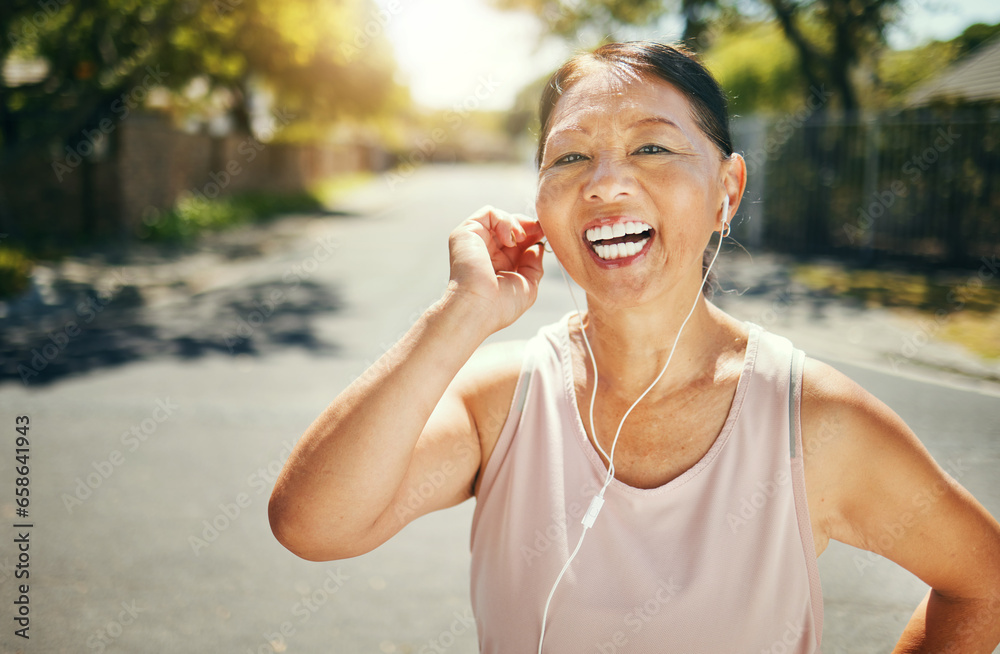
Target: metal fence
pixel 922 185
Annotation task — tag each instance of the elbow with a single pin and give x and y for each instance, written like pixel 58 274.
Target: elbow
pixel 292 532
pixel 299 534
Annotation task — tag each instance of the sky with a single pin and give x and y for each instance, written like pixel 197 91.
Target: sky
pixel 464 53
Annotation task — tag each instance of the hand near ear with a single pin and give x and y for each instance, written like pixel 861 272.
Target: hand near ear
pixel 496 261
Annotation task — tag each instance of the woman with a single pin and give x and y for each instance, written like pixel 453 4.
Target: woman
pixel 731 471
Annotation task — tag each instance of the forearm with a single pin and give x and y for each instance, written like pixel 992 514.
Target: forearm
pixel 951 626
pixel 346 469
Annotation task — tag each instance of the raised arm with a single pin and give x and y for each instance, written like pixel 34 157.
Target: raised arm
pixel 875 486
pixel 346 487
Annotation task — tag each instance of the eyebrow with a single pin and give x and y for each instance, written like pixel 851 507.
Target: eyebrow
pixel 642 122
pixel 654 120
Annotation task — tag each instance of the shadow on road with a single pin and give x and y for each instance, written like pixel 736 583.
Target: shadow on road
pixel 80 328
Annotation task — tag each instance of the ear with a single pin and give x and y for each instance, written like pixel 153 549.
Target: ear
pixel 734 183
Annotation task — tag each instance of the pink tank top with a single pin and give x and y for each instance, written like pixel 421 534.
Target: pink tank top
pixel 719 560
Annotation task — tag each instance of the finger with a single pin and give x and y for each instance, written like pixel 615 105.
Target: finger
pixel 485 234
pixel 512 256
pixel 503 225
pixel 528 228
pixel 491 230
pixel 530 264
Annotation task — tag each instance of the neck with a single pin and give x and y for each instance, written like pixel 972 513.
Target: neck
pixel 631 345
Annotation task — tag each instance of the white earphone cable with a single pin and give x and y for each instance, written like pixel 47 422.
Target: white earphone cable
pixel 595 505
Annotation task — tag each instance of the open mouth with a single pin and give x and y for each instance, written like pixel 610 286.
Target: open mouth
pixel 620 240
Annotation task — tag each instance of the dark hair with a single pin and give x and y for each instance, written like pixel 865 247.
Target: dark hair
pixel 647 59
pixel 635 60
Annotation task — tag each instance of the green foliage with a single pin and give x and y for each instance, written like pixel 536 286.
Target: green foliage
pixel 15 271
pixel 974 36
pixel 103 56
pixel 569 18
pixel 831 38
pixel 330 191
pixel 928 292
pixel 193 215
pixel 975 323
pixel 899 71
pixel 758 69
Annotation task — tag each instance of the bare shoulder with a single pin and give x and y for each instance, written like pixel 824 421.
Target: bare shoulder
pixel 872 484
pixel 841 420
pixel 486 384
pixel 842 423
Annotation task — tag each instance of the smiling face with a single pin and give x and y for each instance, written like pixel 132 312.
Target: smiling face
pixel 630 188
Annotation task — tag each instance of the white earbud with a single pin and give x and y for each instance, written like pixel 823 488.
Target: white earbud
pixel 725 216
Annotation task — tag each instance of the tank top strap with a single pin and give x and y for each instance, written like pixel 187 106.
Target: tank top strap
pixel 539 360
pixel 799 487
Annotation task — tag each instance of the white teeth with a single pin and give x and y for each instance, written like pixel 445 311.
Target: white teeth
pixel 613 251
pixel 617 230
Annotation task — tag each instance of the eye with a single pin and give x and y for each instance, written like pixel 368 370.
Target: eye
pixel 568 159
pixel 651 149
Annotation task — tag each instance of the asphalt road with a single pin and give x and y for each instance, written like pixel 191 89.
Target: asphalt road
pixel 156 433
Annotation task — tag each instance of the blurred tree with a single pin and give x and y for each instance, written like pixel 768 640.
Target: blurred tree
pixel 899 71
pixel 69 64
pixel 568 18
pixel 830 37
pixel 770 81
pixel 973 36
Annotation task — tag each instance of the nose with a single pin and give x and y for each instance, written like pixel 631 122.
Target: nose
pixel 611 179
